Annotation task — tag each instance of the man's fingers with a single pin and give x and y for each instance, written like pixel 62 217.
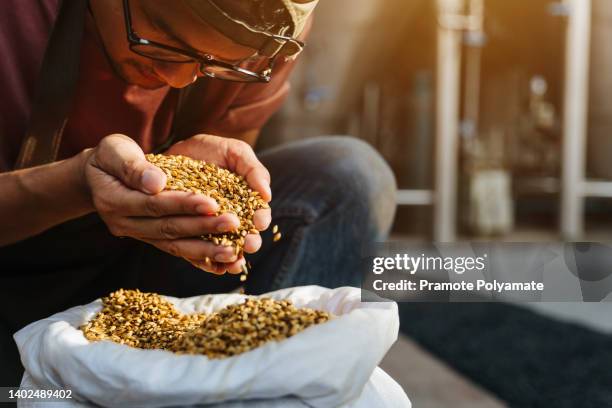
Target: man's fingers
pixel 196 250
pixel 169 228
pixel 252 243
pixel 235 268
pixel 259 180
pixel 122 158
pixel 244 162
pixel 262 219
pixel 136 204
pixel 218 268
pixel 208 266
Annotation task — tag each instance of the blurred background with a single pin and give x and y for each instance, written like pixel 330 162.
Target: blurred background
pixel 495 117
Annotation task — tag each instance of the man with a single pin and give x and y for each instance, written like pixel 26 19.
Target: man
pixel 81 209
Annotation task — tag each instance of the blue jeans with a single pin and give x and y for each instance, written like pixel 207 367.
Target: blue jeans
pixel 331 197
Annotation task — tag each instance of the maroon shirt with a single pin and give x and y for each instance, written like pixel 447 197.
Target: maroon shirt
pixel 105 103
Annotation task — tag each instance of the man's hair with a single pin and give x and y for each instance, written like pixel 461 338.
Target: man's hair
pixel 262 15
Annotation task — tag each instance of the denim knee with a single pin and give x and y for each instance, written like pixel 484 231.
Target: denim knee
pixel 362 183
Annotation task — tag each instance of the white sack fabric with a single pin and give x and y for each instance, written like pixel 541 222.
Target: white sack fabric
pixel 381 391
pixel 326 365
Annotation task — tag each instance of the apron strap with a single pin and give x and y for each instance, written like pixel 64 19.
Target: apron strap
pixel 187 111
pixel 56 86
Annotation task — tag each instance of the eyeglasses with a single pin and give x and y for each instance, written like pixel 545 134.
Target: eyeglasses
pixel 208 65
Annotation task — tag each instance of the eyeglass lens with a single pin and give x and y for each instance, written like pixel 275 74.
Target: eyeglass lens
pixel 211 70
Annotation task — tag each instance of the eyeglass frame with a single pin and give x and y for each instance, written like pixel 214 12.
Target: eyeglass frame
pixel 202 60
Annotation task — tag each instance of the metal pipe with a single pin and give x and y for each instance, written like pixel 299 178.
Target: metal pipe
pixel 598 189
pixel 577 58
pixel 414 197
pixel 474 40
pixel 447 121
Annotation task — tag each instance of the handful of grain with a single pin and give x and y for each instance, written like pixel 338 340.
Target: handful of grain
pixel 145 320
pixel 230 190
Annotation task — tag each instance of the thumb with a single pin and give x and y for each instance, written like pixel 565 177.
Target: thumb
pixel 122 158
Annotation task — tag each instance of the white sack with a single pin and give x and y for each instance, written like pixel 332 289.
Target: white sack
pixel 381 391
pixel 326 365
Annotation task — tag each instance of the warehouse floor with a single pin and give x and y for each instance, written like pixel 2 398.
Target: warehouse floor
pixel 544 356
pixel 429 382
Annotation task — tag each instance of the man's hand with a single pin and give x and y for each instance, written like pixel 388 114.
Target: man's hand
pixel 239 157
pixel 126 191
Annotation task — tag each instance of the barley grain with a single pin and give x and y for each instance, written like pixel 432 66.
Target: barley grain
pixel 243 327
pixel 139 319
pixel 146 320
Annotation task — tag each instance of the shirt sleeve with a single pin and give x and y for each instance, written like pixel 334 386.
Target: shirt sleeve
pixel 256 103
